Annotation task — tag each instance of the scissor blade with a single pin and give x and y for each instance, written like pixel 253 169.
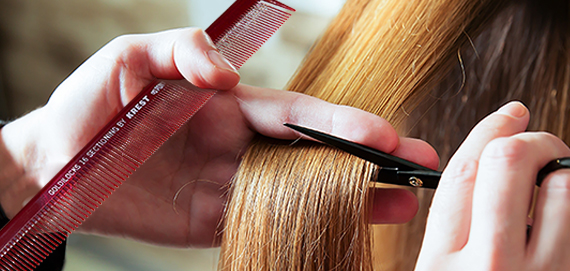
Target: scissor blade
pixel 369 154
pixel 394 170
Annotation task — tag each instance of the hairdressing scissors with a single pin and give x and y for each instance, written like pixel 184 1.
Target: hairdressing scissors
pixel 393 170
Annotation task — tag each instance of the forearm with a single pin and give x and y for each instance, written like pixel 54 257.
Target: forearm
pixel 18 163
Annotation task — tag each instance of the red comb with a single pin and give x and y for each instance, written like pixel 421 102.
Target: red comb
pixel 233 41
pixel 127 141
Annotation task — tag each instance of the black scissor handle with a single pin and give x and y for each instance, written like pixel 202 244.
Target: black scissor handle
pixel 552 166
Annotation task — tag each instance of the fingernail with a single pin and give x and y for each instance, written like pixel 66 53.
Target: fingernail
pixel 220 62
pixel 208 39
pixel 514 109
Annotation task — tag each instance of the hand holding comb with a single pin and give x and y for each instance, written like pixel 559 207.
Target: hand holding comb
pixel 127 141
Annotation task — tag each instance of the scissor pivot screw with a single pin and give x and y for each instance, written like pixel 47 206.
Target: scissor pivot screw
pixel 416 182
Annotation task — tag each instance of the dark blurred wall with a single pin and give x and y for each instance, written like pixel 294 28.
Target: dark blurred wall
pixel 3 103
pixel 42 41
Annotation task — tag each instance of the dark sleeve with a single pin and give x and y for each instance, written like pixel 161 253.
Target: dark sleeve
pixel 54 262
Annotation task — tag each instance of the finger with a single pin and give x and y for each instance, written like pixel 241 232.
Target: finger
pixel 503 191
pixel 392 206
pixel 417 151
pixel 173 54
pixel 549 241
pixel 266 110
pixel 450 214
pixel 201 63
pixel 122 68
pixel 109 79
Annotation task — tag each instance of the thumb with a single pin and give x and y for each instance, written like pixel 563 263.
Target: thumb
pixel 114 75
pixel 198 60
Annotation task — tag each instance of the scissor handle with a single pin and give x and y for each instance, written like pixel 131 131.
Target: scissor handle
pixel 413 178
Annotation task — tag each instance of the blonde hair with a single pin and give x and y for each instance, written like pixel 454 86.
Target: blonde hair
pixel 304 206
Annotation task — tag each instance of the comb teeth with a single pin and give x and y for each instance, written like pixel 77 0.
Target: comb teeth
pixel 127 141
pixel 239 42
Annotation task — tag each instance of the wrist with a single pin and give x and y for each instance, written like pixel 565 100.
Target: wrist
pixel 18 163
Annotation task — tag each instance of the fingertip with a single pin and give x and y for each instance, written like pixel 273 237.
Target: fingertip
pixel 514 109
pixel 392 206
pixel 222 76
pixel 509 120
pixel 199 61
pixel 511 116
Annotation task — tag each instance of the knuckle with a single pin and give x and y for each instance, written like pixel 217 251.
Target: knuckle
pixel 124 41
pixel 297 107
pixel 460 171
pixel 504 151
pixel 458 178
pixel 123 48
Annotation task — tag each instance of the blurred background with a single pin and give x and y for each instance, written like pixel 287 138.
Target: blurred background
pixel 43 41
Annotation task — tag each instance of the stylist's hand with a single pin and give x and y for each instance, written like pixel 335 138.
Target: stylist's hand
pixel 478 219
pixel 177 197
